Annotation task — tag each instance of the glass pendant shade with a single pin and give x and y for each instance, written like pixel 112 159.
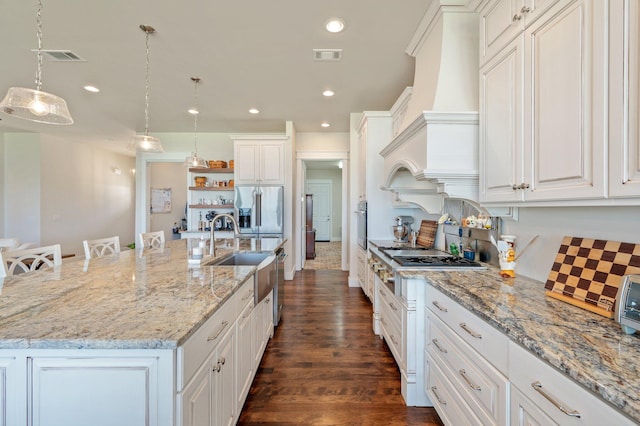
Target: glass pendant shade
pixel 35 105
pixel 194 161
pixel 146 143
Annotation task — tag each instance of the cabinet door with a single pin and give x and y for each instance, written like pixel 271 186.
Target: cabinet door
pixel 564 102
pixel 526 413
pixel 246 162
pixel 624 140
pixel 9 392
pixel 272 163
pixel 94 391
pixel 195 401
pixel 500 22
pixel 501 138
pixel 245 354
pixel 224 393
pixel 362 163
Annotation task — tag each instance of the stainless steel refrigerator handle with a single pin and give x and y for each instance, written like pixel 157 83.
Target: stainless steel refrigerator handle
pixel 258 209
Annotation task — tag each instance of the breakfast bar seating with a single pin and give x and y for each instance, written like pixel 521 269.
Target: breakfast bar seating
pixel 29 260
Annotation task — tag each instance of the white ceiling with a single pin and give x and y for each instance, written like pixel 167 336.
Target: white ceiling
pixel 248 53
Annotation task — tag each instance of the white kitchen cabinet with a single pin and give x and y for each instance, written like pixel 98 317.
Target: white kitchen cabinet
pixel 556 66
pixel 224 382
pixel 624 134
pixel 362 269
pixel 259 162
pixel 9 400
pixel 95 389
pixel 501 21
pixel 546 394
pixel 263 326
pixel 246 348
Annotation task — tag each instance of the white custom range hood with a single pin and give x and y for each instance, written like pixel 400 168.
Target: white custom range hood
pixel 434 152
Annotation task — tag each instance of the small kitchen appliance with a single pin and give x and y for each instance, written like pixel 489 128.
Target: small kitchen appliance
pixel 402 228
pixel 628 304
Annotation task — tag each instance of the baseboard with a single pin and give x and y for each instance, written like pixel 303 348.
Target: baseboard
pixel 353 282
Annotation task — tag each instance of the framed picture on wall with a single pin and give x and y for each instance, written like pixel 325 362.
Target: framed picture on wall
pixel 160 200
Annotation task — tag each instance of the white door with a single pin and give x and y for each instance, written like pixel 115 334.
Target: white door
pixel 322 192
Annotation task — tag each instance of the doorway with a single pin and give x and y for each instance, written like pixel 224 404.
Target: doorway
pixel 315 166
pixel 322 192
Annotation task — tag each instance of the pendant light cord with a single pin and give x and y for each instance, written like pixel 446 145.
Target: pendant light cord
pixel 195 116
pixel 39 36
pixel 146 94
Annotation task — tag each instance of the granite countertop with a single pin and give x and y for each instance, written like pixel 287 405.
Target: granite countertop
pixel 142 299
pixel 589 348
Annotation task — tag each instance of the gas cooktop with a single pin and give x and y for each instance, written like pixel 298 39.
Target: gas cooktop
pixel 436 261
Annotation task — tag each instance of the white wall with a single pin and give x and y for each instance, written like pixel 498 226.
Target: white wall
pixel 319 142
pixel 83 196
pixel 552 223
pixel 61 192
pixel 173 176
pixel 335 176
pixel 21 202
pixel 2 156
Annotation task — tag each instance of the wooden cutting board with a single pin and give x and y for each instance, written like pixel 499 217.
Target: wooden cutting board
pixel 427 233
pixel 586 273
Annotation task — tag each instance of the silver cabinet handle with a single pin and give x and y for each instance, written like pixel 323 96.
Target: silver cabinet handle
pixel 383 321
pixel 393 340
pixel 437 345
pixel 222 360
pixel 516 18
pixel 466 328
pixel 435 392
pixel 469 382
pixel 439 306
pixel 393 307
pixel 537 386
pixel 515 187
pixel 216 368
pixel 223 325
pixel 525 9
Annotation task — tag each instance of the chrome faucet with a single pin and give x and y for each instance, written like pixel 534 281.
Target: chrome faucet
pixel 212 237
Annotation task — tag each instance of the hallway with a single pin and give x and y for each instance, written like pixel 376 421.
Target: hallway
pixel 328 256
pixel 325 366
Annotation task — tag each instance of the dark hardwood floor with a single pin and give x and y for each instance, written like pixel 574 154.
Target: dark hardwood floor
pixel 325 366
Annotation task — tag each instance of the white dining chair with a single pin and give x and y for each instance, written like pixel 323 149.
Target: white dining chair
pixel 28 260
pixel 101 247
pixel 152 239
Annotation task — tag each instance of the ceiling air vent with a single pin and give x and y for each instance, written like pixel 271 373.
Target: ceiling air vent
pixel 61 56
pixel 327 54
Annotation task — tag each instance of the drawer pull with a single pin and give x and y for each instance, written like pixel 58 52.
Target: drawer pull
pixel 392 339
pixel 537 386
pixel 383 321
pixel 393 307
pixel 435 392
pixel 250 294
pixel 216 368
pixel 439 306
pixel 437 345
pixel 223 360
pixel 224 324
pixel 469 382
pixel 466 328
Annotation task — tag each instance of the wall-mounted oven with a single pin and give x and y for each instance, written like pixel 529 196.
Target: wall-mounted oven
pixel 361 223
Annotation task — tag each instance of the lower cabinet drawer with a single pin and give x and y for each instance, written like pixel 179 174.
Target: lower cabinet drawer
pixel 484 338
pixel 391 331
pixel 483 387
pixel 560 398
pixel 448 403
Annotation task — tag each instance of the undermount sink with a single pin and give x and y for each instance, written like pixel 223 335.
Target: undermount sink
pixel 251 259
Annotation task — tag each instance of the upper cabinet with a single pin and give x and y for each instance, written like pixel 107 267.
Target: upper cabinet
pixel 624 103
pixel 259 162
pixel 543 104
pixel 501 21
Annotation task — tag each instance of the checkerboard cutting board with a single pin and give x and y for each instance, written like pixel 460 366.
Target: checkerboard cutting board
pixel 586 273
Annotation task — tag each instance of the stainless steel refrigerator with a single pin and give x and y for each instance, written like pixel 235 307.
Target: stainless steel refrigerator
pixel 259 210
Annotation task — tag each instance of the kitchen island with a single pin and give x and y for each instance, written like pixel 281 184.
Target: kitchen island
pixel 121 339
pixel 540 332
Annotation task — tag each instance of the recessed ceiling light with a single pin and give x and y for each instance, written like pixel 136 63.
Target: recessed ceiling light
pixel 334 25
pixel 325 124
pixel 193 111
pixel 328 93
pixel 92 89
pixel 254 111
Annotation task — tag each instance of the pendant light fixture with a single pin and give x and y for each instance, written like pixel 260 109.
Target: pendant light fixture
pixel 36 105
pixel 194 161
pixel 146 143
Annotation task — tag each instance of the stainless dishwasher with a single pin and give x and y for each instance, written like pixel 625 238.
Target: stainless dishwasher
pixel 278 293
